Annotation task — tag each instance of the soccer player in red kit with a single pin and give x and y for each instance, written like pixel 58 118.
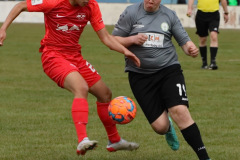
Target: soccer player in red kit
pixel 63 63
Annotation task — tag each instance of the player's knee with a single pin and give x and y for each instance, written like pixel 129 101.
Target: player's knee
pixel 80 91
pixel 108 96
pixel 160 127
pixel 105 97
pixel 161 130
pixel 181 115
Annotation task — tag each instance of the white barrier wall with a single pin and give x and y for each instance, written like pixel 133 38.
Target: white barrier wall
pixel 111 12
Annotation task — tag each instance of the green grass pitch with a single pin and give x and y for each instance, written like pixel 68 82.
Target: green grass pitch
pixel 35 114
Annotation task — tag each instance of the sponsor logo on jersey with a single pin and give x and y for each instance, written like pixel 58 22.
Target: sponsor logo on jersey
pixel 100 21
pixel 58 16
pixel 36 2
pixel 68 27
pixel 164 26
pixel 154 40
pixel 73 65
pixel 81 16
pixel 138 26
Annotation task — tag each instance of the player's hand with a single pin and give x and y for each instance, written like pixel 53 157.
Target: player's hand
pixel 133 57
pixel 2 36
pixel 140 39
pixel 190 49
pixel 193 51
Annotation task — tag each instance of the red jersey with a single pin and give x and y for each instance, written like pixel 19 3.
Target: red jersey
pixel 64 23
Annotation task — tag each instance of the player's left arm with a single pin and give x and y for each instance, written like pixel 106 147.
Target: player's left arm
pixel 182 38
pixel 190 49
pixel 113 44
pixel 225 9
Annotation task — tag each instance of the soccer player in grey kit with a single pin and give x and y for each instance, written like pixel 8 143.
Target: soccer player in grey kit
pixel 146 29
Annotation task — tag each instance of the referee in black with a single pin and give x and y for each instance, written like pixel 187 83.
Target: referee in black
pixel 207 20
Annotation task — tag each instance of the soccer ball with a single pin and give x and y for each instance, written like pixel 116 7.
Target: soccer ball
pixel 122 110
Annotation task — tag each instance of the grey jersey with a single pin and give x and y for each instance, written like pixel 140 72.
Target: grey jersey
pixel 158 51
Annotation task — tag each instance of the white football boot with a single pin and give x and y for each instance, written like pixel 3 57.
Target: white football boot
pixel 86 145
pixel 122 145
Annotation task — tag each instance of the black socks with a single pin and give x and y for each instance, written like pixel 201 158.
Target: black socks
pixel 192 135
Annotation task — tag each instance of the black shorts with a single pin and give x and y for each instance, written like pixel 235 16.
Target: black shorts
pixel 207 21
pixel 159 91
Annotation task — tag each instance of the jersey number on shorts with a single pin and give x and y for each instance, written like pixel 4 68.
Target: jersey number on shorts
pixel 181 89
pixel 90 67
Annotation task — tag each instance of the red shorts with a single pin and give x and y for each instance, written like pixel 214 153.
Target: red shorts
pixel 57 65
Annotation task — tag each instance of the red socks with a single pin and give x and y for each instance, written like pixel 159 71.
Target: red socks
pixel 110 126
pixel 80 117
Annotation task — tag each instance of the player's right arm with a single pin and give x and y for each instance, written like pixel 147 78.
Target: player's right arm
pixel 16 10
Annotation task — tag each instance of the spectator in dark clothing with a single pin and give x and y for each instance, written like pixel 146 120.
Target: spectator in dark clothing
pixel 181 2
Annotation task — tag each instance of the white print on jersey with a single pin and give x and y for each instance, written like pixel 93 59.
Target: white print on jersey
pixel 164 26
pixel 154 40
pixel 68 27
pixel 36 2
pixel 58 16
pixel 138 26
pixel 73 65
pixel 81 16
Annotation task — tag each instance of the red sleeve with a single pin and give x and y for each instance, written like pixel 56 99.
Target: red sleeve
pixel 41 5
pixel 96 16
